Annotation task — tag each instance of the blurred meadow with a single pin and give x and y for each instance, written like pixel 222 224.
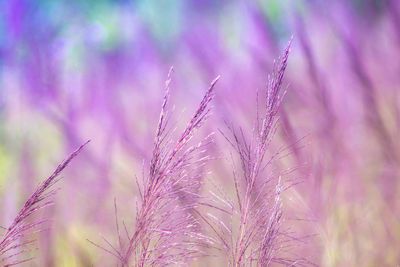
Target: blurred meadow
pixel 96 69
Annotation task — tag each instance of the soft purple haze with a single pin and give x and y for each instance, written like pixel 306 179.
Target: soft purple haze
pixel 77 70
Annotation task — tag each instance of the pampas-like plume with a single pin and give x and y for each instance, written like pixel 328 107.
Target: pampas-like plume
pixel 260 213
pixel 166 230
pixel 13 242
pixel 257 237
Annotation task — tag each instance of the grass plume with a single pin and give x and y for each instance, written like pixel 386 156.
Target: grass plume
pixel 257 239
pixel 15 240
pixel 166 230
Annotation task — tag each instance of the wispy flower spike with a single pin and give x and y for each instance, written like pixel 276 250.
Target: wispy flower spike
pixel 11 244
pixel 259 236
pixel 167 228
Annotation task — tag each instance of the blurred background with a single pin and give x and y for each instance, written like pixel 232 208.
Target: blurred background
pixel 95 69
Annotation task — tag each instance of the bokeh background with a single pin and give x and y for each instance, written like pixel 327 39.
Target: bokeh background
pixel 95 69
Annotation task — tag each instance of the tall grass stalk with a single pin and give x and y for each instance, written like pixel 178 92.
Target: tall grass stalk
pixel 166 231
pixel 254 235
pixel 17 238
